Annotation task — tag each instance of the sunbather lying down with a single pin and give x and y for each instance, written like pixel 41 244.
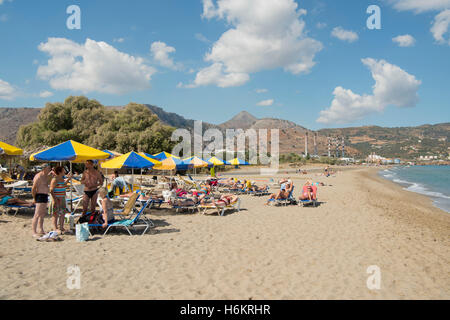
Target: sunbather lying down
pixel 7 199
pixel 254 187
pixel 184 202
pixel 223 201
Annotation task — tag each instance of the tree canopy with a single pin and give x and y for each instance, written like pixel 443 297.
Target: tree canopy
pixel 134 127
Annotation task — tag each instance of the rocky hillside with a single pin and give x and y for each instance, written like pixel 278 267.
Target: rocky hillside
pixel 403 142
pixel 12 118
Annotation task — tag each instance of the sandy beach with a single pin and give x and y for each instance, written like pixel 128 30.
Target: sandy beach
pixel 261 252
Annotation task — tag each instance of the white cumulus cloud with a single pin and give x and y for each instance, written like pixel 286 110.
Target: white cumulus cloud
pixel 261 90
pixel 265 103
pixel 7 91
pixel 405 40
pixel 440 26
pixel 393 86
pixel 92 67
pixel 160 52
pixel 344 35
pixel 263 35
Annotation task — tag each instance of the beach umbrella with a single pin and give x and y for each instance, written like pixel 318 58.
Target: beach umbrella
pixel 131 160
pixel 217 162
pixel 239 162
pixel 196 162
pixel 149 156
pixel 69 151
pixel 165 155
pixel 10 150
pixel 173 164
pixel 112 154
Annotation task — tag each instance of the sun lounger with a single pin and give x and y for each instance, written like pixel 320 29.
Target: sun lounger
pixel 131 223
pixel 313 200
pixel 220 209
pixel 289 200
pixel 16 208
pixel 260 193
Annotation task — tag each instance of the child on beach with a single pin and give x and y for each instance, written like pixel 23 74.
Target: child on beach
pixel 58 192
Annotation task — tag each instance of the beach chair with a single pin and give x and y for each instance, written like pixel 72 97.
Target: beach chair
pixel 6 207
pixel 260 193
pixel 131 223
pixel 289 200
pixel 189 183
pixel 6 177
pixel 129 207
pixel 78 199
pixel 313 201
pixel 221 209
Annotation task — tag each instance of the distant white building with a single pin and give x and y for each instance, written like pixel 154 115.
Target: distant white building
pixel 374 158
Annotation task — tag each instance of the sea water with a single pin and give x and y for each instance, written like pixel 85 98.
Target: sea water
pixel 432 181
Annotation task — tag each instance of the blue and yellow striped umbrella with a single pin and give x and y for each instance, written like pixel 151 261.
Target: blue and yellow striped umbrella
pixel 239 162
pixel 149 156
pixel 172 164
pixel 165 155
pixel 69 151
pixel 196 162
pixel 217 162
pixel 131 160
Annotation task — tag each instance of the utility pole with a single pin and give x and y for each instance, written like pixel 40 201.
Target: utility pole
pixel 306 144
pixel 315 144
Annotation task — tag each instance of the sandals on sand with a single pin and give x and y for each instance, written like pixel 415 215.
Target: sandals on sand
pixel 50 237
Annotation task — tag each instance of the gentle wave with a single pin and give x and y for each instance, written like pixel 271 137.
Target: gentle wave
pixel 440 200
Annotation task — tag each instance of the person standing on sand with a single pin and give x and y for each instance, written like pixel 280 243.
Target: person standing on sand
pixel 40 192
pixel 58 191
pixel 92 180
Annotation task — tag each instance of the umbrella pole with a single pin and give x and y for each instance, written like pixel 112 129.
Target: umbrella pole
pixel 141 180
pixel 71 202
pixel 132 179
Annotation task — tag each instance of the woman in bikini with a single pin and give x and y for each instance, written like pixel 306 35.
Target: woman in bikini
pixel 58 187
pixel 309 192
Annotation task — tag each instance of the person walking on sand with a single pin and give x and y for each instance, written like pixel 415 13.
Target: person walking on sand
pixel 92 180
pixel 40 192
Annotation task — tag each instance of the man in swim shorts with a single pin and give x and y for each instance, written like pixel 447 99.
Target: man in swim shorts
pixel 40 192
pixel 92 180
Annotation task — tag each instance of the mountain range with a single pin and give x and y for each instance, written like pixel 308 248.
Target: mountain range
pixel 402 142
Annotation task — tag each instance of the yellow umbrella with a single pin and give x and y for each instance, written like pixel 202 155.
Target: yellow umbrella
pixel 10 150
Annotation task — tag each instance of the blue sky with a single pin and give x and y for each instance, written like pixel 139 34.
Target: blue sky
pixel 189 42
